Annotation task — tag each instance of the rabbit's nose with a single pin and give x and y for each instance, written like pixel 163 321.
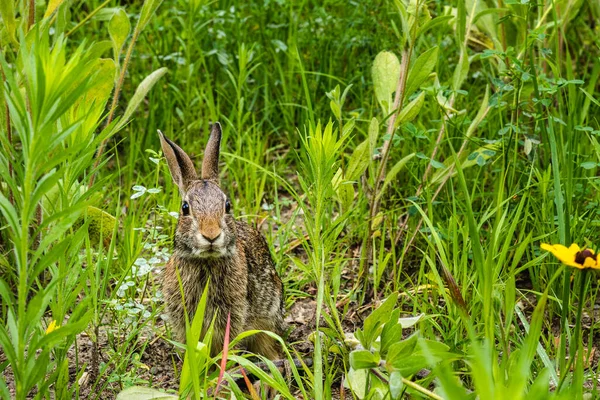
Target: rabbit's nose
pixel 211 239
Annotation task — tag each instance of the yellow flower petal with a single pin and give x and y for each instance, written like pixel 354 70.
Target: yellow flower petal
pixel 590 263
pixel 564 254
pixel 52 327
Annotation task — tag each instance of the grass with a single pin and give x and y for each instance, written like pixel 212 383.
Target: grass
pixel 440 207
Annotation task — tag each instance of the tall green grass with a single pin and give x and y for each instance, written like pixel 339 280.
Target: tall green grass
pixel 412 150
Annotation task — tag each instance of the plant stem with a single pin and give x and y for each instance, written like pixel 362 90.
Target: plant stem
pixel 31 16
pixel 375 200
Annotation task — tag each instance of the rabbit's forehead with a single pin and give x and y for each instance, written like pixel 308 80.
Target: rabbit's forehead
pixel 205 195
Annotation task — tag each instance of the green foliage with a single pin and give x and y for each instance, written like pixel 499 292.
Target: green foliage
pixel 437 207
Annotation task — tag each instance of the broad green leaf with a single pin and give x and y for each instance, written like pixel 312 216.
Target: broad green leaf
pixel 141 93
pixel 408 322
pixel 345 192
pixel 374 323
pixel 393 172
pixel 421 69
pixel 400 351
pixel 357 382
pixel 101 225
pixel 359 161
pixel 7 12
pixel 118 29
pixel 396 384
pixel 589 165
pixel 386 72
pixel 103 81
pixel 52 6
pixel 411 110
pixel 391 333
pixel 143 393
pixel 361 359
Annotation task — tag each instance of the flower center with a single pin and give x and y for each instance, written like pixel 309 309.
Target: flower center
pixel 582 255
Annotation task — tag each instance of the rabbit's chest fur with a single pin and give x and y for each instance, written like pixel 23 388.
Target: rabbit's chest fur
pixel 227 294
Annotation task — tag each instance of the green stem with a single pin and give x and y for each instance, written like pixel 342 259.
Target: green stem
pixel 576 348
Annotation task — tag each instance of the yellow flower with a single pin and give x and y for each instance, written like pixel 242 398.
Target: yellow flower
pixel 573 256
pixel 52 327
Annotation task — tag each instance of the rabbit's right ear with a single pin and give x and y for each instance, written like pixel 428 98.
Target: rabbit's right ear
pixel 181 166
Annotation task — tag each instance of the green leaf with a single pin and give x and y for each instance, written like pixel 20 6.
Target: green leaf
pixel 391 175
pixel 357 380
pixel 10 214
pixel 411 110
pixel 7 12
pixel 103 83
pixel 359 161
pixel 590 97
pixel 140 93
pixel 589 165
pixel 419 16
pixel 391 333
pixel 434 23
pixel 118 29
pixel 361 359
pixel 374 323
pixel 396 384
pixel 189 371
pixel 401 350
pixel 386 72
pixel 142 393
pixel 488 11
pixel 436 164
pixel 148 9
pixel 421 69
pixel 408 322
pixel 461 70
pixel 345 192
pixel 373 136
pixel 520 374
pixel 52 6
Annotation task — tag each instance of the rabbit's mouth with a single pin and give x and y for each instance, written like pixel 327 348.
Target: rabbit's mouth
pixel 210 251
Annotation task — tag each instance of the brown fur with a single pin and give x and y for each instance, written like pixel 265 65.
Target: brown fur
pixel 210 245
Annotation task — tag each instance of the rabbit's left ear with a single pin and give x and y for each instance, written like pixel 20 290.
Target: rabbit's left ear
pixel 210 164
pixel 180 164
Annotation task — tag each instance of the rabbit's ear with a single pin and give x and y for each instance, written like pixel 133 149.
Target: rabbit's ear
pixel 181 166
pixel 210 164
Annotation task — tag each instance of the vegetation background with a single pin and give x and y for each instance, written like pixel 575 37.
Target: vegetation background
pixel 404 159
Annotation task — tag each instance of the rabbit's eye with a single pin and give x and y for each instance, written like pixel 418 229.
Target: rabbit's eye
pixel 227 206
pixel 185 208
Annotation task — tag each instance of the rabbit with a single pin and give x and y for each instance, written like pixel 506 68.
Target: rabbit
pixel 211 245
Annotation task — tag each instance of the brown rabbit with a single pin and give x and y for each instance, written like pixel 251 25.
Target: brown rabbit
pixel 211 245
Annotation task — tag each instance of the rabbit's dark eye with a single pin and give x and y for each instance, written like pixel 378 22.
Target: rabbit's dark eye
pixel 227 206
pixel 185 208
